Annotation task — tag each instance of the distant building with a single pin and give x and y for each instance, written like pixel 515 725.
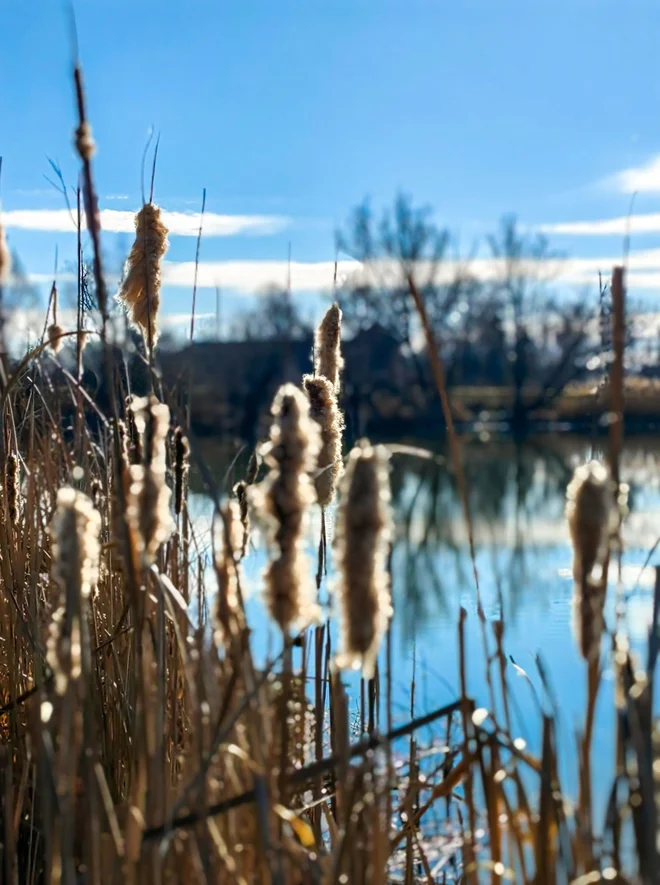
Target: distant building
pixel 233 382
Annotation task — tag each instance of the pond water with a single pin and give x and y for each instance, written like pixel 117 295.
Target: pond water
pixel 524 564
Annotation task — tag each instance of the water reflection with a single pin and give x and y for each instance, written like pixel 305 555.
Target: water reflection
pixel 516 496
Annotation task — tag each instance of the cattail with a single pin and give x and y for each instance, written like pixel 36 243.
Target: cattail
pixel 55 337
pixel 181 467
pixel 227 532
pixel 588 619
pixel 328 361
pixel 589 506
pixel 283 498
pixel 589 509
pixel 148 493
pixel 364 531
pixel 84 141
pixel 75 562
pixel 5 257
pixel 140 289
pixel 324 410
pixel 13 485
pixel 241 492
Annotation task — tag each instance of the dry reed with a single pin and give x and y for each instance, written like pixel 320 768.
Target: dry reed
pixel 283 499
pixel 13 486
pixel 181 468
pixel 140 288
pixel 364 532
pixel 227 534
pixel 241 492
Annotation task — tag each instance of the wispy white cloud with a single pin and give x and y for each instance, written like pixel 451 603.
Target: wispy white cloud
pixel 184 224
pixel 643 179
pixel 250 276
pixel 635 224
pixel 253 276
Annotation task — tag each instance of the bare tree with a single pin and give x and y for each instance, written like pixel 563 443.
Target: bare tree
pixel 276 316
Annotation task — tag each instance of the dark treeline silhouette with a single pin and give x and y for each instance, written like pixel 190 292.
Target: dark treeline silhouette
pixel 511 335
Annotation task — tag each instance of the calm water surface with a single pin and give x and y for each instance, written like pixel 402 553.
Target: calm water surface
pixel 523 561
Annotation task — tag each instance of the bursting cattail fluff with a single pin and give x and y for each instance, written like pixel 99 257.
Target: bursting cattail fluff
pixel 589 508
pixel 363 535
pixel 227 533
pixel 181 467
pixel 324 410
pixel 328 361
pixel 148 493
pixel 284 498
pixel 75 534
pixel 140 289
pixel 5 256
pixel 241 492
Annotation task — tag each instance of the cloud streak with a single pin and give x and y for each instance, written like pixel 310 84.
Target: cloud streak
pixel 620 226
pixel 253 276
pixel 643 179
pixel 182 224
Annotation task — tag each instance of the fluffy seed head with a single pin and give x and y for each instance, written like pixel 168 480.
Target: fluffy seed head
pixel 589 508
pixel 363 534
pixel 148 492
pixel 328 361
pixel 76 550
pixel 283 498
pixel 588 620
pixel 55 337
pixel 227 535
pixel 140 289
pixel 324 410
pixel 84 141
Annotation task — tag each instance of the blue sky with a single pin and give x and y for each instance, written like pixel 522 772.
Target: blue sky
pixel 294 111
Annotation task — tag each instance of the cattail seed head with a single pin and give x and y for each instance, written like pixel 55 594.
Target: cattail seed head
pixel 589 509
pixel 5 257
pixel 148 508
pixel 227 534
pixel 241 492
pixel 363 535
pixel 84 142
pixel 181 467
pixel 324 410
pixel 55 337
pixel 140 289
pixel 328 360
pixel 284 498
pixel 75 534
pixel 13 486
pixel 587 619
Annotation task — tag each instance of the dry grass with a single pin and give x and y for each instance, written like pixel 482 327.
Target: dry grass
pixel 140 744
